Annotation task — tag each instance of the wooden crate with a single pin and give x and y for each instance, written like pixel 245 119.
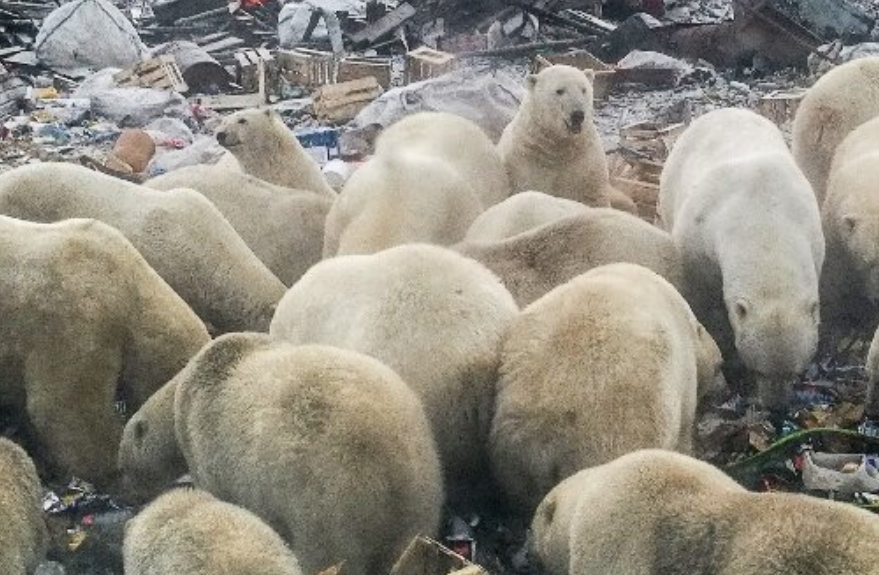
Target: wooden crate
pixel 306 67
pixel 338 103
pixel 644 194
pixel 652 140
pixel 424 63
pixel 254 67
pixel 358 68
pixel 781 106
pixel 604 73
pixel 161 73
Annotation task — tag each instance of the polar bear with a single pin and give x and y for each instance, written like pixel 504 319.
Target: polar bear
pixel 23 538
pixel 693 518
pixel 84 316
pixel 332 448
pixel 432 174
pixel 267 149
pixel 433 316
pixel 283 227
pixel 850 216
pixel 840 101
pixel 610 362
pixel 534 262
pixel 520 213
pixel 190 532
pixel 456 140
pixel 180 233
pixel 749 231
pixel 552 145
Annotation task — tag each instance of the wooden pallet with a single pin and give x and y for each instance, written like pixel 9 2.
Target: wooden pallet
pixel 781 106
pixel 160 73
pixel 337 103
pixel 306 67
pixel 257 71
pixel 357 68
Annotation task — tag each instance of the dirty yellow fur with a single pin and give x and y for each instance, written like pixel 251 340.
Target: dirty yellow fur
pixel 327 446
pixel 433 316
pixel 534 262
pixel 610 362
pixel 84 313
pixel 180 233
pixel 840 101
pixel 432 174
pixel 190 532
pixel 682 515
pixel 23 537
pixel 283 227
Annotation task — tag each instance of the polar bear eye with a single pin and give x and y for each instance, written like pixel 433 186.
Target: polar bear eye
pixel 560 91
pixel 242 121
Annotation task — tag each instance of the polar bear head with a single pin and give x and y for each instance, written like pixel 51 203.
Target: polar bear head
pixel 560 99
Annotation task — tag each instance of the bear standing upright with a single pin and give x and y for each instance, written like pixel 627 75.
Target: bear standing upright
pixel 23 537
pixel 267 149
pixel 840 101
pixel 551 145
pixel 610 362
pixel 749 231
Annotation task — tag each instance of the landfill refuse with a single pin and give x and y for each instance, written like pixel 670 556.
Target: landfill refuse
pixel 87 35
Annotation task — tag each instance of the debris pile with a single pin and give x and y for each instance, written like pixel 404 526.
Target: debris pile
pixel 136 89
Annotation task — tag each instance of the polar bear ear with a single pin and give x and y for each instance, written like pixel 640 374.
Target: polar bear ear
pixel 590 74
pixel 531 81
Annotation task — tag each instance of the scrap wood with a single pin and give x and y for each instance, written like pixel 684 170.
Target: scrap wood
pixel 385 25
pixel 530 48
pixel 586 26
pixel 342 102
pixel 161 72
pixel 424 556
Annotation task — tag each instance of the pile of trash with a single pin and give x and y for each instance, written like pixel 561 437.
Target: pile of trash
pixel 136 89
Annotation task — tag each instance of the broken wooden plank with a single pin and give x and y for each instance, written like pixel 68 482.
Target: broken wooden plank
pixel 222 45
pixel 341 102
pixel 781 106
pixel 425 556
pixel 161 72
pixel 386 24
pixel 230 102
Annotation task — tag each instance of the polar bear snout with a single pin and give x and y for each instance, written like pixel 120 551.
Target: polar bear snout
pixel 575 122
pixel 221 138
